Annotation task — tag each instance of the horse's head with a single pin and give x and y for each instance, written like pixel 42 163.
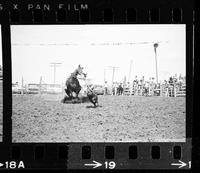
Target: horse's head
pixel 80 71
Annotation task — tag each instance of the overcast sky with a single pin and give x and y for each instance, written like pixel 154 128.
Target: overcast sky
pixel 34 47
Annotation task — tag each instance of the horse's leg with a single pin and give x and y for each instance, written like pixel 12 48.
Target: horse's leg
pixel 68 92
pixel 78 90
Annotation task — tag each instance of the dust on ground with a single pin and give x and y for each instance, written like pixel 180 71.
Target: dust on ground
pixel 43 118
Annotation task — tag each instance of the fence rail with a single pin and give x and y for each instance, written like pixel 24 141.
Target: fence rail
pixel 162 91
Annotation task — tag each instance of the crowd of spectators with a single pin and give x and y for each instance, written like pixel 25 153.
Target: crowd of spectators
pixel 144 87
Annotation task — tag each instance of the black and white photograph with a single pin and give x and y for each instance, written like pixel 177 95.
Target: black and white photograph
pixel 1 90
pixel 98 83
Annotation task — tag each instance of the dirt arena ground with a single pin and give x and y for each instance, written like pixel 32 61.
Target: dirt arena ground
pixel 118 119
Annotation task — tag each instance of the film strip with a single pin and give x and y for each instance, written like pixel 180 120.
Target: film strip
pixel 38 131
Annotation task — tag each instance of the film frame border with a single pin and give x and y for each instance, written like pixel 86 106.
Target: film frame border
pixel 96 13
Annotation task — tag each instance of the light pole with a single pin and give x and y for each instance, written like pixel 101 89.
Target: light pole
pixel 113 72
pixel 104 75
pixel 130 70
pixel 155 47
pixel 55 65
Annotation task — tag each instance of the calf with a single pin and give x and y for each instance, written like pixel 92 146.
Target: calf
pixel 92 96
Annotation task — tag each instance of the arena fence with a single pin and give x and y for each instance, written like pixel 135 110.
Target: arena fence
pixel 171 91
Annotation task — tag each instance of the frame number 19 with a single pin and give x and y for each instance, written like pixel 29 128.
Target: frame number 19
pixel 110 165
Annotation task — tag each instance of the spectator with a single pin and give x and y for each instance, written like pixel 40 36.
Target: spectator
pixel 171 81
pixel 146 88
pixel 120 89
pixel 105 88
pixel 136 80
pixel 114 88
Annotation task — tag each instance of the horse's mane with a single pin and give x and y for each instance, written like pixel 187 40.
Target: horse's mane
pixel 74 74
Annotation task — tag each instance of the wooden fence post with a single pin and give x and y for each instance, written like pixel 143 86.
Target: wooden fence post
pixel 40 85
pixel 174 90
pixel 167 91
pixel 22 92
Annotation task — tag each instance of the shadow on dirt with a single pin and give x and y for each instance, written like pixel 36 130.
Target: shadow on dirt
pixel 91 106
pixel 68 100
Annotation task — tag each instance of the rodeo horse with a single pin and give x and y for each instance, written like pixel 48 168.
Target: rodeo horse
pixel 72 83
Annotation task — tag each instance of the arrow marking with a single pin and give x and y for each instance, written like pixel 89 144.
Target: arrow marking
pixel 1 164
pixel 180 164
pixel 94 164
